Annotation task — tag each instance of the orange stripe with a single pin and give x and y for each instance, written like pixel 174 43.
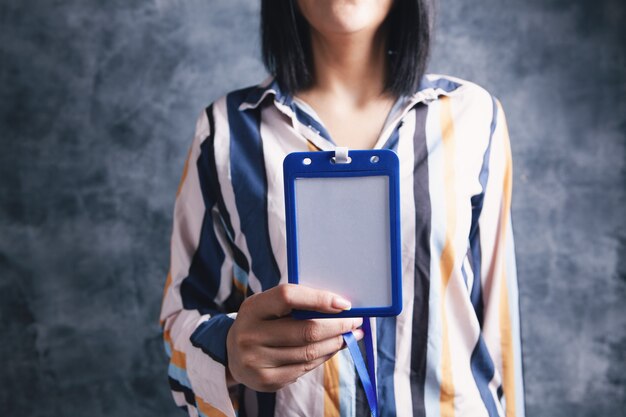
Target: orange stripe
pixel 312 147
pixel 179 359
pixel 168 282
pixel 446 262
pixel 185 169
pixel 331 387
pixel 168 338
pixel 239 286
pixel 506 336
pixel 207 409
pixel 233 394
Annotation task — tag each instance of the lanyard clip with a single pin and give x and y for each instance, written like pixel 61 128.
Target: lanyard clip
pixel 341 155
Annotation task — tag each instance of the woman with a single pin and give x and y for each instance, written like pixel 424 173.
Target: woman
pixel 345 73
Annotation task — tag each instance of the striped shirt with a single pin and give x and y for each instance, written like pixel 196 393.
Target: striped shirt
pixel 454 349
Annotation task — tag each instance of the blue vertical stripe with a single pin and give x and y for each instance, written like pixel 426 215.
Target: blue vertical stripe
pixel 464 273
pixel 199 288
pixel 421 195
pixel 483 370
pixel 249 182
pixel 267 403
pixel 476 296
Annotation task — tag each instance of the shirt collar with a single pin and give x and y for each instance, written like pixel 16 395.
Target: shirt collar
pixel 431 87
pixel 258 94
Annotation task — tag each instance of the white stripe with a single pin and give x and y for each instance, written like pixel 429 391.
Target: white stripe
pixel 192 410
pixel 374 328
pixel 469 273
pixel 179 399
pixel 305 397
pixel 226 272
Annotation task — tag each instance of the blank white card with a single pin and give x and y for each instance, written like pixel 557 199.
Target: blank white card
pixel 342 227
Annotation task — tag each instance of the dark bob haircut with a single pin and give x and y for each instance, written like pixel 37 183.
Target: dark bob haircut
pixel 286 45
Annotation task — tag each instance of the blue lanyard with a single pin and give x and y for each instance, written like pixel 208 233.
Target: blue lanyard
pixel 366 374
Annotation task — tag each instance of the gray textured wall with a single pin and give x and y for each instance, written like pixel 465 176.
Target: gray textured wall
pixel 97 106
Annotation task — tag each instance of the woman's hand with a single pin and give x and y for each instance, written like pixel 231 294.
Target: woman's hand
pixel 268 349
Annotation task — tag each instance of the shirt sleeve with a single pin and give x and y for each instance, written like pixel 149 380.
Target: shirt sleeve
pixel 197 308
pixel 501 323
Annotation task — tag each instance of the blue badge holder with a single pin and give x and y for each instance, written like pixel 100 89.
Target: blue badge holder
pixel 343 228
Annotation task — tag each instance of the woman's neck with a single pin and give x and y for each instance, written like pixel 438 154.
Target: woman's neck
pixel 349 67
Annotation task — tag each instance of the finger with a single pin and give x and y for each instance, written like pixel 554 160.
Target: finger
pixel 304 354
pixel 283 299
pixel 289 332
pixel 273 379
pixel 290 373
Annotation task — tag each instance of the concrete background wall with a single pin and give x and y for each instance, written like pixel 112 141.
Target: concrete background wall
pixel 97 107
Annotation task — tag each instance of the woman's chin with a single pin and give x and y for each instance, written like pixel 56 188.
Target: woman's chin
pixel 345 18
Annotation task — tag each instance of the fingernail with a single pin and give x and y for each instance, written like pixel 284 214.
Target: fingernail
pixel 341 303
pixel 358 321
pixel 358 334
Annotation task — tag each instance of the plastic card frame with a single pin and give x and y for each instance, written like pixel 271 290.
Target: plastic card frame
pixel 343 228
